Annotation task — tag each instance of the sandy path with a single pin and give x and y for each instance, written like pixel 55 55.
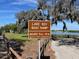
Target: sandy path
pixel 65 52
pixel 31 50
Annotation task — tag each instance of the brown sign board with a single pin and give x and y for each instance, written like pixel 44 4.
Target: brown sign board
pixel 39 29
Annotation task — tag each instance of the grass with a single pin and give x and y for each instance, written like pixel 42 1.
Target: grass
pixel 15 36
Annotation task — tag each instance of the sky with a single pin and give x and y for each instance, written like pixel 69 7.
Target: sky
pixel 70 26
pixel 9 8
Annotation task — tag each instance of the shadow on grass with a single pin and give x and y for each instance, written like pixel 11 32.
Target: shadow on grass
pixel 24 36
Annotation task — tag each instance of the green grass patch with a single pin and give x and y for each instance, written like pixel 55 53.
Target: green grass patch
pixel 15 36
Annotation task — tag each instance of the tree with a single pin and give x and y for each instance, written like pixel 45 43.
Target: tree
pixel 23 17
pixel 2 29
pixel 53 10
pixel 13 27
pixel 9 27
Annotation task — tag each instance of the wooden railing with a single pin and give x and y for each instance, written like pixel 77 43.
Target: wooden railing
pixel 42 49
pixel 15 53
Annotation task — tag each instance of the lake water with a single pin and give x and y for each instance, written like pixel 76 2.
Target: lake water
pixel 66 33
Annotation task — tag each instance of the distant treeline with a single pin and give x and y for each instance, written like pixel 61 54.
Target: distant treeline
pixel 9 28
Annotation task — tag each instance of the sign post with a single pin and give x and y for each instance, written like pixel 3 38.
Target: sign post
pixel 39 49
pixel 39 29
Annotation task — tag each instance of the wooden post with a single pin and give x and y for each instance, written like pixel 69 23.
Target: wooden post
pixel 17 56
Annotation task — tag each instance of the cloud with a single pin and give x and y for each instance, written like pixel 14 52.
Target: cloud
pixel 7 16
pixel 7 11
pixel 22 2
pixel 14 11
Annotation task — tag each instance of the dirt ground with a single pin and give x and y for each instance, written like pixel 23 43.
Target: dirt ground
pixel 65 51
pixel 31 50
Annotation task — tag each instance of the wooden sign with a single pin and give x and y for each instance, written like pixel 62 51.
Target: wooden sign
pixel 39 29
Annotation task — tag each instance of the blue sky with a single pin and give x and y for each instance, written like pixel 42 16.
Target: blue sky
pixel 70 26
pixel 9 8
